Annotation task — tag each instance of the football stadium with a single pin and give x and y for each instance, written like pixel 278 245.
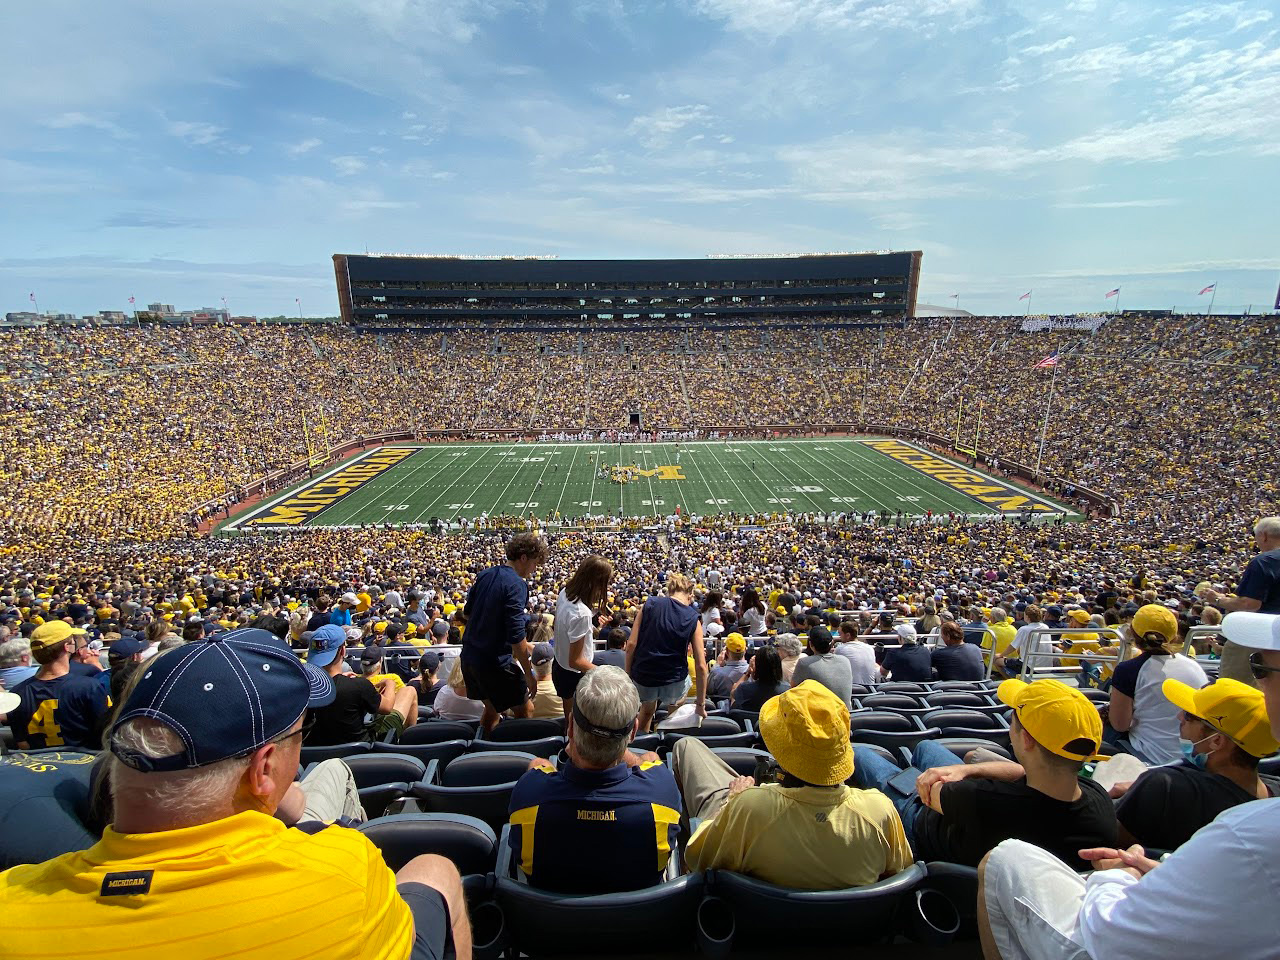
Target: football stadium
pixel 619 600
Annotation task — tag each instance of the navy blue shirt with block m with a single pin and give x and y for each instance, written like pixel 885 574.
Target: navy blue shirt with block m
pixel 496 616
pixel 1261 581
pixel 595 831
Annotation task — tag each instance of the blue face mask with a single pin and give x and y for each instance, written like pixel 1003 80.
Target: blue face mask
pixel 1189 754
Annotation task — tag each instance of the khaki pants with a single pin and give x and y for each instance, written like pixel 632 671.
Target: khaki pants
pixel 1235 663
pixel 703 777
pixel 331 793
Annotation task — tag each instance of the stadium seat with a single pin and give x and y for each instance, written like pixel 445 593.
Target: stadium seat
pixel 646 741
pixel 383 778
pixel 957 698
pixel 745 719
pixel 883 720
pixel 892 740
pixel 975 686
pixel 902 686
pixel 894 756
pixel 468 842
pixel 951 717
pixel 435 731
pixel 747 912
pixel 891 701
pixel 444 751
pixel 742 759
pixel 476 784
pixel 745 738
pixel 524 728
pixel 1097 696
pixel 539 923
pixel 544 747
pixel 310 755
pixel 959 884
pixel 1270 765
pixel 860 689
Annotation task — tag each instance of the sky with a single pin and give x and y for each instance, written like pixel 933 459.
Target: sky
pixel 189 152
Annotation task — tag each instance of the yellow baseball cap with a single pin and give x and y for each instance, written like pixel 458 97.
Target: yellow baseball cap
pixel 1156 618
pixel 1080 616
pixel 735 643
pixel 807 731
pixel 1060 718
pixel 1230 707
pixel 52 634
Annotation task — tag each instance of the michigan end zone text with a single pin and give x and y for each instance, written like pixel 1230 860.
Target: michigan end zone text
pixel 307 502
pixel 994 493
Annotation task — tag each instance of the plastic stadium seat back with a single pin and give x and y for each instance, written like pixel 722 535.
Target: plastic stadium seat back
pixel 957 698
pixel 376 799
pixel 959 884
pixel 310 755
pixel 1270 765
pixel 745 738
pixel 962 745
pixel 470 843
pixel 763 914
pixel 524 728
pixel 958 686
pixel 444 751
pixel 892 741
pixel 435 731
pixel 745 719
pixel 903 686
pixel 894 756
pixel 713 726
pixel 646 741
pixel 742 759
pixel 998 735
pixel 544 747
pixel 861 689
pixel 960 717
pixel 882 720
pixel 540 923
pixel 1097 696
pixel 476 784
pixel 891 701
pixel 374 769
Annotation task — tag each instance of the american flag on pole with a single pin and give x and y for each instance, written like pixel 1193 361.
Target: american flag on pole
pixel 33 296
pixel 1025 296
pixel 131 299
pixel 1050 361
pixel 1112 293
pixel 1208 289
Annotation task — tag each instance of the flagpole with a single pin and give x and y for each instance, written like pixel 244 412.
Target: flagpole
pixel 1044 428
pixel 1213 294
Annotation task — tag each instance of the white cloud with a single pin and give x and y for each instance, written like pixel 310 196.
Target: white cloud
pixel 656 129
pixel 73 119
pixel 771 18
pixel 347 166
pixel 305 146
pixel 1117 204
pixel 1039 50
pixel 195 132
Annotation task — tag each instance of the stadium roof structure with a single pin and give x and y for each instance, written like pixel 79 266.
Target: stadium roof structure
pixel 389 292
pixel 933 310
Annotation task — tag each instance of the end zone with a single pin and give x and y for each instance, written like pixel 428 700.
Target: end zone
pixel 989 491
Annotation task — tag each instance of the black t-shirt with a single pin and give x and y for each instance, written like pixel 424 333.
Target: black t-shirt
pixel 1166 805
pixel 979 814
pixel 343 721
pixel 910 662
pixel 750 695
pixel 961 662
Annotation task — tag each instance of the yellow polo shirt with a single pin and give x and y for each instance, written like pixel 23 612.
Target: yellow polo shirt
pixel 805 838
pixel 395 679
pixel 243 887
pixel 1004 633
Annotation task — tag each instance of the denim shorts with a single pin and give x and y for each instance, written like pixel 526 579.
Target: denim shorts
pixel 666 694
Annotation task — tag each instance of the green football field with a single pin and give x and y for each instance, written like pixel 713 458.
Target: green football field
pixel 407 485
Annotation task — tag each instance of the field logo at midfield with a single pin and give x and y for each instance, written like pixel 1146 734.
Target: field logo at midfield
pixel 324 493
pixel 984 489
pixel 660 473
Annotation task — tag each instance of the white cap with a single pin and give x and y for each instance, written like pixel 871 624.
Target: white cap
pixel 1258 630
pixel 713 629
pixel 350 598
pixel 905 631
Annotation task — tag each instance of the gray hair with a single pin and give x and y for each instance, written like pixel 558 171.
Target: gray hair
pixel 12 652
pixel 1268 527
pixel 607 697
pixel 196 792
pixel 788 646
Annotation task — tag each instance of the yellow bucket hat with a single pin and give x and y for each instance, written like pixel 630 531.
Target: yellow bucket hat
pixel 807 731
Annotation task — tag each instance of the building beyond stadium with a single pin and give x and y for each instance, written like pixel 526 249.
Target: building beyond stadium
pixel 456 293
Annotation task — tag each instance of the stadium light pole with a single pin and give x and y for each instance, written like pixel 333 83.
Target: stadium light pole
pixel 1044 427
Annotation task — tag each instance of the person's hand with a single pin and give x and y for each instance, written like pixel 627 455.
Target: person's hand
pixel 649 757
pixel 952 773
pixel 738 784
pixel 532 682
pixel 701 710
pixel 1118 790
pixel 542 763
pixel 386 683
pixel 1133 861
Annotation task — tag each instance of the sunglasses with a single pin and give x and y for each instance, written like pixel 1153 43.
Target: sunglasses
pixel 1260 669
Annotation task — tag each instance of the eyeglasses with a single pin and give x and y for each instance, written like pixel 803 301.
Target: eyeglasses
pixel 1260 669
pixel 302 731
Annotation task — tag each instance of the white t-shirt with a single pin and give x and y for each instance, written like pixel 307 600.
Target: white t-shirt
pixel 573 622
pixel 1154 730
pixel 752 622
pixel 449 706
pixel 862 658
pixel 1022 642
pixel 710 616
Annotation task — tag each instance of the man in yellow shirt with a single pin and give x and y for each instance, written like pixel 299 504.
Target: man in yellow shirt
pixel 810 831
pixel 196 863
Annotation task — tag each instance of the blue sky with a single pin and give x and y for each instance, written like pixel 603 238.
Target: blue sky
pixel 185 152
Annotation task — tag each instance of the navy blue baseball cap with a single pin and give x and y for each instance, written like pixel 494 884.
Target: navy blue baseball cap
pixel 127 646
pixel 325 644
pixel 224 696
